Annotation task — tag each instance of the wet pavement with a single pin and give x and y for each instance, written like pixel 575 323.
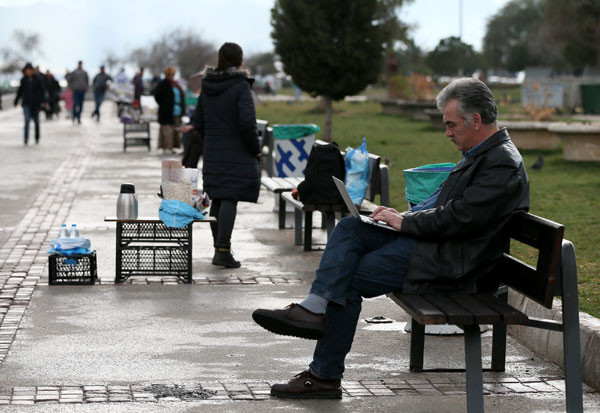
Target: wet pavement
pixel 154 344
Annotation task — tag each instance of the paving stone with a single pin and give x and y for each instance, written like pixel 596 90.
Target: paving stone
pixel 542 387
pixel 518 387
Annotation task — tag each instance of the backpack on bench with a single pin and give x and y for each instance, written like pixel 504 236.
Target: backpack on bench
pixel 324 162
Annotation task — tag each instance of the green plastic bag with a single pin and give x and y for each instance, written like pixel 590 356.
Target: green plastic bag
pixel 422 181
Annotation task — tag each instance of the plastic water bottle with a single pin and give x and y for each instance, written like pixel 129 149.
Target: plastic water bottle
pixel 64 232
pixel 74 231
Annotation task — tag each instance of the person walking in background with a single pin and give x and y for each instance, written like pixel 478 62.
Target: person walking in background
pixel 138 89
pixel 31 93
pixel 78 82
pixel 171 104
pixel 67 98
pixel 53 89
pixel 155 81
pixel 100 85
pixel 225 116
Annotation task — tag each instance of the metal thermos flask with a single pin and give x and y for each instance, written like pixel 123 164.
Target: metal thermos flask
pixel 127 204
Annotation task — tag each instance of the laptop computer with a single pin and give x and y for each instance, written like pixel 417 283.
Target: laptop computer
pixel 354 211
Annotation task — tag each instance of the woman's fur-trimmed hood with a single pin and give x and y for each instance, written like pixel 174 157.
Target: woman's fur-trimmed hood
pixel 217 81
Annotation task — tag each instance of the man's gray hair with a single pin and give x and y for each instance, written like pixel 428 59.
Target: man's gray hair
pixel 473 97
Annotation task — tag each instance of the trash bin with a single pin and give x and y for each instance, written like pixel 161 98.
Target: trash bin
pixel 422 181
pixel 292 146
pixel 590 98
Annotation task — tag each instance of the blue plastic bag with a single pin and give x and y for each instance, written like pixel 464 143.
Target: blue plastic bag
pixel 68 247
pixel 177 214
pixel 357 172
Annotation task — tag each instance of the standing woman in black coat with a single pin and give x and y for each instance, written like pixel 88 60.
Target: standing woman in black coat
pixel 226 118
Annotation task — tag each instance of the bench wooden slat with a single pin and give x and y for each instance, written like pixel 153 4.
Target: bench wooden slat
pixel 269 183
pixel 277 185
pixel 420 309
pixel 293 182
pixel 482 313
pixel 510 315
pixel 367 206
pixel 455 314
pixel 287 197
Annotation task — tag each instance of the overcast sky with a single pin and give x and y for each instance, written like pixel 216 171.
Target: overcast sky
pixel 88 29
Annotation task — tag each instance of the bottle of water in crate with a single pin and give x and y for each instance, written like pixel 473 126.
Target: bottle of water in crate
pixel 74 231
pixel 64 232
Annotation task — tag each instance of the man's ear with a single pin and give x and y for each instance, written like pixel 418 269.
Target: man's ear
pixel 477 121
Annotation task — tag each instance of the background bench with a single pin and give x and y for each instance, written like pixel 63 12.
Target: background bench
pixel 555 274
pixel 378 185
pixel 136 134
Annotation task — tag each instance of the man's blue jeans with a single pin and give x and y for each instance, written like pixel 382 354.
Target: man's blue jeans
pixel 78 97
pixel 98 99
pixel 32 113
pixel 360 260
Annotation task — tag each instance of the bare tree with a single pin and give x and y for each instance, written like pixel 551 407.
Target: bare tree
pixel 183 49
pixel 27 49
pixel 111 61
pixel 261 63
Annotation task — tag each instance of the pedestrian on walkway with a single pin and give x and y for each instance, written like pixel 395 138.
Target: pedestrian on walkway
pixel 32 94
pixel 138 89
pixel 171 105
pixel 226 118
pixel 78 82
pixel 100 85
pixel 448 243
pixel 53 88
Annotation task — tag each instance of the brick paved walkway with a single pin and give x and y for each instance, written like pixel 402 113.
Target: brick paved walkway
pixel 438 385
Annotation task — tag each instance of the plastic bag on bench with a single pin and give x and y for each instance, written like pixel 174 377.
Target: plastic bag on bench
pixel 357 172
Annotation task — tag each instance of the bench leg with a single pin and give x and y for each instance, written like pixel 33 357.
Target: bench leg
pixel 297 227
pixel 188 278
pixel 498 347
pixel 329 222
pixel 499 340
pixel 474 369
pixel 308 215
pixel 417 346
pixel 281 212
pixel 571 338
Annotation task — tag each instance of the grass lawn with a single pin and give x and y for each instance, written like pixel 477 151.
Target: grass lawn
pixel 566 192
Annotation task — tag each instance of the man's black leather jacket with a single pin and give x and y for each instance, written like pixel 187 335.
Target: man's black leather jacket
pixel 459 240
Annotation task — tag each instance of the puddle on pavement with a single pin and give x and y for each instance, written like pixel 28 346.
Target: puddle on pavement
pixel 161 391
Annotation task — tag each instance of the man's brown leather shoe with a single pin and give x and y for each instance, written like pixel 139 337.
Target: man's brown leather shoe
pixel 293 320
pixel 307 386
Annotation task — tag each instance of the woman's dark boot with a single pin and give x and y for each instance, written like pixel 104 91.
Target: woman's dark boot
pixel 223 257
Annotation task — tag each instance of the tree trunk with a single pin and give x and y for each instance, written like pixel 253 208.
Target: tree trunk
pixel 328 116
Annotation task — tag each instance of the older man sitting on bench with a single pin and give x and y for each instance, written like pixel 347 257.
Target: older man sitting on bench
pixel 445 244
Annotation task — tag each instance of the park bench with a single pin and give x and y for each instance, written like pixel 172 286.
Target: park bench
pixel 555 274
pixel 378 185
pixel 136 134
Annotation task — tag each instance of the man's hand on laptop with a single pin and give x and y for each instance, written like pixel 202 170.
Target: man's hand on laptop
pixel 388 215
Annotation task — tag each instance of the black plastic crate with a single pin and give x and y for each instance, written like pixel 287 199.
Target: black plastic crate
pixel 152 232
pixel 84 272
pixel 154 260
